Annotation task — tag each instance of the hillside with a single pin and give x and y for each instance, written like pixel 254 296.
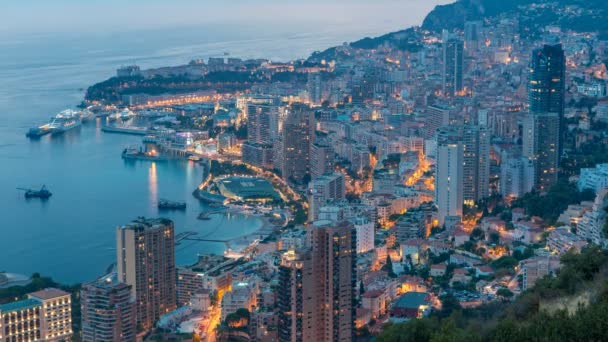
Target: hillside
pixel 573 306
pixel 577 15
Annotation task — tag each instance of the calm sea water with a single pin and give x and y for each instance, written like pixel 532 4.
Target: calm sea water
pixel 71 236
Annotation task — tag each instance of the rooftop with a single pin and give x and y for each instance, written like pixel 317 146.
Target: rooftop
pixel 142 223
pixel 19 305
pixel 49 293
pixel 246 188
pixel 412 300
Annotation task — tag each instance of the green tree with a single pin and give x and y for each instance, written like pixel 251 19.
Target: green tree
pixel 504 293
pixel 388 267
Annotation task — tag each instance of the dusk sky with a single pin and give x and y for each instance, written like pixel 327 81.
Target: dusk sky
pixel 39 16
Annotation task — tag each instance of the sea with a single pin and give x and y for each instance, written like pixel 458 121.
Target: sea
pixel 71 236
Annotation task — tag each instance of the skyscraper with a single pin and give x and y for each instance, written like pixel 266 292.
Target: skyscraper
pixel 314 88
pixel 334 261
pixel 262 120
pixel 298 133
pixel 437 116
pixel 547 80
pixel 108 311
pixel 449 180
pixel 476 159
pixel 297 310
pixel 453 64
pixel 472 36
pixel 145 257
pixel 541 145
pixel 321 159
pixel 547 86
pixel 317 286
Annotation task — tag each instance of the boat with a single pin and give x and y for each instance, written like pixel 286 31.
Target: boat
pixel 171 205
pixel 37 132
pixel 65 121
pixel 135 154
pixel 126 114
pixel 86 115
pixel 125 129
pixel 114 116
pixel 194 158
pixel 43 193
pixel 167 119
pixel 203 216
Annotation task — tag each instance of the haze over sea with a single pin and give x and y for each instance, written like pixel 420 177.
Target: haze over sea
pixel 43 71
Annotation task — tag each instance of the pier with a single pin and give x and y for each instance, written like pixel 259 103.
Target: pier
pixel 191 236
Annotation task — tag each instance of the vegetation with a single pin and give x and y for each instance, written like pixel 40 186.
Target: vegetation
pixel 588 155
pixel 223 81
pixel 453 16
pixel 554 202
pixel 523 319
pixel 227 168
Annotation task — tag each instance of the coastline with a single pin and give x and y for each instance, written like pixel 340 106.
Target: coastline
pixel 54 85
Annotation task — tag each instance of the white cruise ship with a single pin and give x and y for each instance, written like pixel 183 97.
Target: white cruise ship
pixel 65 121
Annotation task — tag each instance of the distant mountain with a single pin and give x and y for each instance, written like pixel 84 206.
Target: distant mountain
pixel 576 15
pixel 454 15
pixel 584 16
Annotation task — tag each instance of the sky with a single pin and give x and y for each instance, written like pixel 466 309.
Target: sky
pixel 48 16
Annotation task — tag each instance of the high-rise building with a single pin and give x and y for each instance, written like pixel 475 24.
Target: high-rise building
pixel 45 315
pixel 437 116
pixel 473 36
pixel 322 189
pixel 298 135
pixel 547 91
pixel 56 314
pixel 318 286
pixel 321 160
pixel 145 257
pixel 516 176
pixel 365 233
pixel 476 159
pixel 449 180
pixel 541 145
pixel 453 64
pixel 257 155
pixel 262 120
pixel 334 261
pixel 108 311
pixel 297 310
pixel 315 88
pixel 547 82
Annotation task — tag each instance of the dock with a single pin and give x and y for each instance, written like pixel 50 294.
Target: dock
pixel 191 236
